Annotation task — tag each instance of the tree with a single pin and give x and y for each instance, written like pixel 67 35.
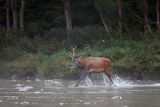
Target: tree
pixel 120 16
pixel 66 5
pixel 146 20
pixel 122 25
pixel 103 21
pixel 21 17
pixel 7 15
pixel 145 13
pixel 158 15
pixel 14 13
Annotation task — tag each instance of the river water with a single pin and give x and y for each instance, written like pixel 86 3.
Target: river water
pixel 62 93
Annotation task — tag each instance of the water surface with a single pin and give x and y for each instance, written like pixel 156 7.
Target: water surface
pixel 61 93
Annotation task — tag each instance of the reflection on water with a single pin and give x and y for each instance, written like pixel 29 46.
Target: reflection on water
pixel 61 93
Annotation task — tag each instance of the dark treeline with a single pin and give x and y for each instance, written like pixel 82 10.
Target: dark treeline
pixel 35 35
pixel 21 14
pixel 124 16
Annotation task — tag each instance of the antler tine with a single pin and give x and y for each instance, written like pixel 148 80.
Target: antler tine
pixel 85 50
pixel 73 49
pixel 70 54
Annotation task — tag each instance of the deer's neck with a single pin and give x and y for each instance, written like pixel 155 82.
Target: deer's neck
pixel 81 64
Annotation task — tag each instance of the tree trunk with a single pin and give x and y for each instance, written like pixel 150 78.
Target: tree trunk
pixel 14 12
pixel 120 16
pixel 66 4
pixel 21 22
pixel 145 13
pixel 158 15
pixel 104 23
pixel 7 15
pixel 122 25
pixel 105 26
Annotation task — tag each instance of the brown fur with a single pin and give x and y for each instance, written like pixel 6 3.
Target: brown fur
pixel 95 64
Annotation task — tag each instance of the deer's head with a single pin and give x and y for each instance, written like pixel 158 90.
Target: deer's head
pixel 74 59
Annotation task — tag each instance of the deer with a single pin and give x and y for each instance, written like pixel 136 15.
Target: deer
pixel 90 65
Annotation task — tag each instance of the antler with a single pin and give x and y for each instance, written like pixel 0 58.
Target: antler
pixel 72 54
pixel 84 50
pixel 73 51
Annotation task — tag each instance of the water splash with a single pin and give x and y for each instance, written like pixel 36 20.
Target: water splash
pixel 121 82
pixel 25 88
pixel 156 84
pixel 102 82
pixel 117 83
pixel 117 97
pixel 105 80
pixel 89 82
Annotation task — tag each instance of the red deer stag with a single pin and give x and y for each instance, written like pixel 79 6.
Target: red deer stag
pixel 90 65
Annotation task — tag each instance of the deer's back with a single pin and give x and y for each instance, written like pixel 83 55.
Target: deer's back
pixel 96 63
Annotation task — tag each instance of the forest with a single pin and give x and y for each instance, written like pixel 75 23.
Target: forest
pixel 37 35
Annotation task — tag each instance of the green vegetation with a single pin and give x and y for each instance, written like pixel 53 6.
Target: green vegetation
pixel 45 57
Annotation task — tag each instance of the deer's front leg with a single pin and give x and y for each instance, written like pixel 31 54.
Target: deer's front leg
pixel 82 76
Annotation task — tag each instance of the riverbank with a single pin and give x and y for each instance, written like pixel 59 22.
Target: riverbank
pixel 47 56
pixel 126 61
